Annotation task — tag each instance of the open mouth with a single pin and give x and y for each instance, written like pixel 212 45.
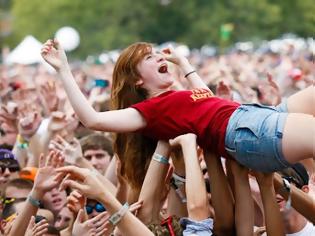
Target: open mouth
pixel 279 199
pixel 163 68
pixel 57 201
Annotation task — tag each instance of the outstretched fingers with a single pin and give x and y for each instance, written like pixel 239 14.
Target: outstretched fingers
pixel 77 172
pixel 40 228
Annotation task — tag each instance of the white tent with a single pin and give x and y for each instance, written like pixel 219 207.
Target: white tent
pixel 27 52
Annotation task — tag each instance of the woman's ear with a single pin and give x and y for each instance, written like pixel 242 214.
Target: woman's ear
pixel 139 83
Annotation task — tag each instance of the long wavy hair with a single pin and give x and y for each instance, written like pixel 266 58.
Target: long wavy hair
pixel 133 149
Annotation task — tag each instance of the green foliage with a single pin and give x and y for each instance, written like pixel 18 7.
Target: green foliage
pixel 109 24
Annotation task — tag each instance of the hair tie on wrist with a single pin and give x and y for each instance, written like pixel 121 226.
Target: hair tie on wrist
pixel 189 73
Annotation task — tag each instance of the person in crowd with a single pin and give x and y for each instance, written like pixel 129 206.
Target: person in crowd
pixel 17 188
pixel 9 167
pixel 97 149
pixel 64 218
pixel 294 222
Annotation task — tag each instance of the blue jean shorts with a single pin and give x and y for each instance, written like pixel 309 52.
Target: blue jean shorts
pixel 197 228
pixel 254 137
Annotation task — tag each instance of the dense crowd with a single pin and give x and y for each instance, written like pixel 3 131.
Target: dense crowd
pixel 60 176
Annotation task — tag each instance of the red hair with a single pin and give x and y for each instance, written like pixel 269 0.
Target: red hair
pixel 133 149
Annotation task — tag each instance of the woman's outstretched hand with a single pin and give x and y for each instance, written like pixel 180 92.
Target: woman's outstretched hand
pixel 53 54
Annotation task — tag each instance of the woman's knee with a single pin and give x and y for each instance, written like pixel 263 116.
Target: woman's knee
pixel 303 101
pixel 298 140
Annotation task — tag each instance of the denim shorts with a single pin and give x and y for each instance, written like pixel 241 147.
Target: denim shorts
pixel 198 228
pixel 254 136
pixel 283 106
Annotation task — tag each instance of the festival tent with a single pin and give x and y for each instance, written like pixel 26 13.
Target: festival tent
pixel 27 52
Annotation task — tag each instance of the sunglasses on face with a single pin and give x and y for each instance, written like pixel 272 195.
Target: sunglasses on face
pixel 11 164
pixel 11 168
pixel 98 208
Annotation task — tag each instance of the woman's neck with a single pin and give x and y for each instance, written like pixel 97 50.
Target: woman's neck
pixel 158 92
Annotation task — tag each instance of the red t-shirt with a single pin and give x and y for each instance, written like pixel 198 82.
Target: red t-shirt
pixel 195 111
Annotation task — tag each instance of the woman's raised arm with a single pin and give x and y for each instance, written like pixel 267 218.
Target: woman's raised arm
pixel 124 120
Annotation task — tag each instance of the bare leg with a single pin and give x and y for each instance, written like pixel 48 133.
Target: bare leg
pixel 298 141
pixel 303 101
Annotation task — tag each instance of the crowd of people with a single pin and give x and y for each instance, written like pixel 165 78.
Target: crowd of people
pixel 159 144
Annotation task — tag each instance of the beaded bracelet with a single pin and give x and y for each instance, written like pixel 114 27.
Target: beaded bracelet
pixel 287 187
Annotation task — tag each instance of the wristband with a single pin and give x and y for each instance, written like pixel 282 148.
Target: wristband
pixel 179 193
pixel 116 217
pixel 189 73
pixel 159 158
pixel 33 201
pixel 21 142
pixel 287 187
pixel 179 180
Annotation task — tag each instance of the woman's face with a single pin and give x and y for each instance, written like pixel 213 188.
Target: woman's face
pixel 153 69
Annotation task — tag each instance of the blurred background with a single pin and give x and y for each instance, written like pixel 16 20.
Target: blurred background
pixel 108 25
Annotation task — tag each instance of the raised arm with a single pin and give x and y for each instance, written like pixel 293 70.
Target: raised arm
pixel 197 204
pixel 273 218
pixel 244 205
pixel 44 181
pixel 153 185
pixel 188 70
pixel 221 196
pixel 125 120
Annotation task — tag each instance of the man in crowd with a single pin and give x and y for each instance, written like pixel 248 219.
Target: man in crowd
pixel 295 224
pixel 97 149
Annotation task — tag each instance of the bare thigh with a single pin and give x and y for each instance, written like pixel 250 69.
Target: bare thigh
pixel 298 142
pixel 303 101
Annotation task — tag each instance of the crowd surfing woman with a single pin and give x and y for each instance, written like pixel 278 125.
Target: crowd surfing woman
pixel 146 109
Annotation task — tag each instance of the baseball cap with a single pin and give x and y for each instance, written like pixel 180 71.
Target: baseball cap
pixel 28 173
pixel 8 160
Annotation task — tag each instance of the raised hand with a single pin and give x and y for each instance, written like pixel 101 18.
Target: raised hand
pixel 46 177
pixel 260 231
pixel 8 117
pixel 53 54
pixel 57 121
pixel 96 226
pixel 72 152
pixel 183 139
pixel 83 180
pixel 49 93
pixel 269 93
pixel 76 201
pixel 36 229
pixel 135 207
pixel 224 91
pixel 29 120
